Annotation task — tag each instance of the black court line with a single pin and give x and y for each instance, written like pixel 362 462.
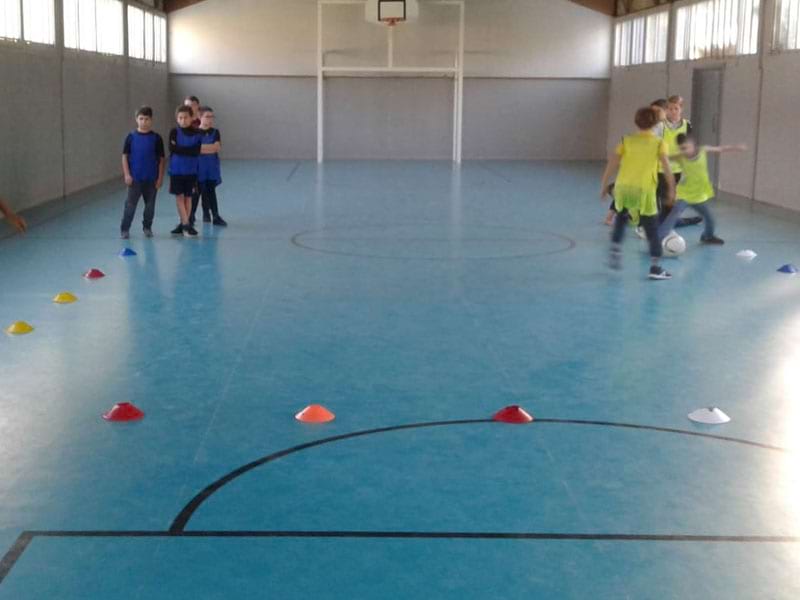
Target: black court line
pixel 181 521
pixel 177 529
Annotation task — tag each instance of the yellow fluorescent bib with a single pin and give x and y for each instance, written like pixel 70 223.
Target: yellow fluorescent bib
pixel 695 186
pixel 671 138
pixel 635 187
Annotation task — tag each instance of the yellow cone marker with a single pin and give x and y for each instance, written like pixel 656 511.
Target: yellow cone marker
pixel 19 328
pixel 65 298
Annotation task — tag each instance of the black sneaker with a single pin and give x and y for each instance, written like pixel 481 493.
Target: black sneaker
pixel 148 233
pixel 207 219
pixel 191 222
pixel 124 235
pixel 178 230
pixel 219 221
pixel 189 231
pixel 657 272
pixel 712 239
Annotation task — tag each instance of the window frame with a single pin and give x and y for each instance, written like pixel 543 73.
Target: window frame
pixel 21 40
pixel 637 49
pixel 775 48
pixel 157 17
pixel 715 29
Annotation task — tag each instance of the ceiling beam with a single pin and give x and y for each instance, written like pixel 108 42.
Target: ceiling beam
pixel 173 5
pixel 604 6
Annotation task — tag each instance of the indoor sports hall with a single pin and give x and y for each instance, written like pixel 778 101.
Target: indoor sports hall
pixel 399 299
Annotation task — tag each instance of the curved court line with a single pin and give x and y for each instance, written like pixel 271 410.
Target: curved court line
pixel 570 244
pixel 182 520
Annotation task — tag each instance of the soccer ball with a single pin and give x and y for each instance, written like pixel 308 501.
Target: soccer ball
pixel 673 244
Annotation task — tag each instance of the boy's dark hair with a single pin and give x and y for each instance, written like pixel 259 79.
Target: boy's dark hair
pixel 205 109
pixel 144 111
pixel 685 137
pixel 192 99
pixel 661 103
pixel 646 118
pixel 183 109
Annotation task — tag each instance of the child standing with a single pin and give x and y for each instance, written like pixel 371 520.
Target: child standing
pixel 185 146
pixel 210 175
pixel 695 189
pixel 637 159
pixel 143 169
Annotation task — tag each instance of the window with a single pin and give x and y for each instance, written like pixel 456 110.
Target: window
pixel 641 40
pixel 31 20
pixel 147 35
pixel 717 28
pixel 10 20
pixel 787 25
pixel 94 25
pixel 39 21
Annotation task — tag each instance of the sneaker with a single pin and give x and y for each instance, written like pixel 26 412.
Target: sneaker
pixel 148 233
pixel 207 219
pixel 191 222
pixel 688 221
pixel 712 239
pixel 657 272
pixel 178 230
pixel 220 222
pixel 189 231
pixel 124 235
pixel 641 233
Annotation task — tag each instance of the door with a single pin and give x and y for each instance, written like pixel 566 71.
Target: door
pixel 706 109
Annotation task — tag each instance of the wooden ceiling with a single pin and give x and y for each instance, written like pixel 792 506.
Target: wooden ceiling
pixel 604 6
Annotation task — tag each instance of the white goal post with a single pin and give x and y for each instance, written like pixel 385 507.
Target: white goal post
pixel 456 71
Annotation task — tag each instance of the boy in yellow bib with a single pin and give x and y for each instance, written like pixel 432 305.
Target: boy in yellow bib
pixel 694 189
pixel 636 159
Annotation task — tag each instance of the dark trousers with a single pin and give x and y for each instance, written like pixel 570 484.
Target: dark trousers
pixel 208 193
pixel 136 190
pixel 196 201
pixel 650 226
pixel 661 195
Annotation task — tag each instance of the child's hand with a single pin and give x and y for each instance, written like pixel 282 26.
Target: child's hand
pixel 158 183
pixel 740 147
pixel 604 193
pixel 19 223
pixel 128 180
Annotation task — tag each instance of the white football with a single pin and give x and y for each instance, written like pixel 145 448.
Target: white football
pixel 673 244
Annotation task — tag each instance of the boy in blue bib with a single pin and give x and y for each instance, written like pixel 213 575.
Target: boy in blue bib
pixel 210 173
pixel 143 169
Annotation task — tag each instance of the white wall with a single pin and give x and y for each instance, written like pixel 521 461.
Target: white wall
pixel 537 73
pixel 761 115
pixel 504 38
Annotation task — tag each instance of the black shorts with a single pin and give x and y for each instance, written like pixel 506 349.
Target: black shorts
pixel 182 185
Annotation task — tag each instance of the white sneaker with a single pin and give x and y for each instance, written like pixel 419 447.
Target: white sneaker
pixel 641 232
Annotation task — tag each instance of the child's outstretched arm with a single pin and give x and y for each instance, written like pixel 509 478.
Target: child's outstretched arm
pixel 13 218
pixel 611 169
pixel 724 149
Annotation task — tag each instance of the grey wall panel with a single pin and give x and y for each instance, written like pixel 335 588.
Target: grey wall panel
pixel 389 118
pixel 30 119
pixel 561 119
pixel 631 89
pixel 149 84
pixel 95 118
pixel 778 157
pixel 260 117
pixel 404 118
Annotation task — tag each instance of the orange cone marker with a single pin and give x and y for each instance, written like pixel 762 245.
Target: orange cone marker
pixel 513 414
pixel 316 413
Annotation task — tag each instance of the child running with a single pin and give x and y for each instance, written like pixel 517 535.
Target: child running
pixel 694 189
pixel 636 159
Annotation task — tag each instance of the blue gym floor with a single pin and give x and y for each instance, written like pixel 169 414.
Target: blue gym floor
pixel 397 293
